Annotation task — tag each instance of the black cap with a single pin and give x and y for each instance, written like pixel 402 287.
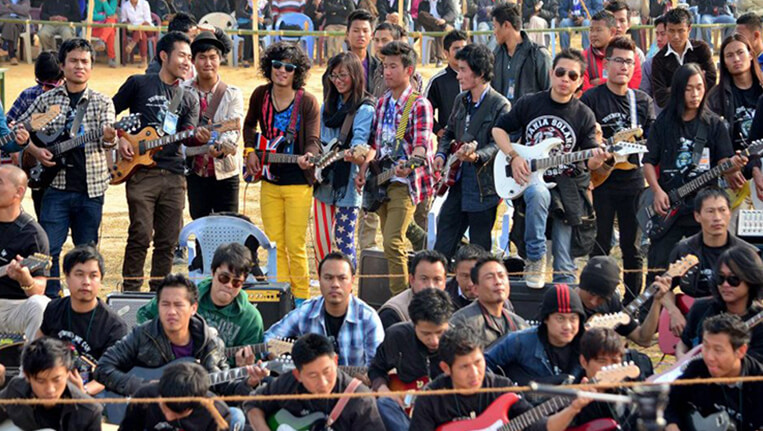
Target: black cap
pixel 206 38
pixel 561 299
pixel 600 276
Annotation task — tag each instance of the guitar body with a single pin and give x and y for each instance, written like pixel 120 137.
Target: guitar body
pixel 283 420
pixel 41 176
pixel 120 169
pixel 652 224
pixel 720 421
pixel 597 425
pixel 667 340
pixel 505 185
pixel 600 175
pixel 395 385
pixel 492 419
pixel 375 194
pixel 451 170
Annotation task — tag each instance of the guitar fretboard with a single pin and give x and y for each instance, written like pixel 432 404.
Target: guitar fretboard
pixel 354 370
pixel 166 140
pixel 633 307
pixel 71 144
pixel 256 349
pixel 530 417
pixel 561 159
pixel 229 375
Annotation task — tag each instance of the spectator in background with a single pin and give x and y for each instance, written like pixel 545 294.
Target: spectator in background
pixel 538 14
pixel 443 87
pixel 336 14
pixel 483 8
pixel 12 31
pixel 602 33
pixel 660 40
pixel 714 12
pixel 244 19
pixel 184 23
pixel 281 7
pixel 573 14
pixel 314 10
pixel 61 11
pixel 388 12
pixel 137 12
pixel 360 25
pixel 204 7
pixel 749 26
pixel 105 11
pixel 622 13
pixel 437 15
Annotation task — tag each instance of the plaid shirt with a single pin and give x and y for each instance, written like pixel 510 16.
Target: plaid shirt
pixel 23 102
pixel 100 111
pixel 360 334
pixel 418 133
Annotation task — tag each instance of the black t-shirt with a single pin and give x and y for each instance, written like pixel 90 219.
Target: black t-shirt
pixel 708 307
pixel 539 117
pixel 745 102
pixel 613 305
pixel 49 417
pixel 150 96
pixel 613 113
pixel 560 357
pixel 30 239
pixel 74 160
pixel 334 324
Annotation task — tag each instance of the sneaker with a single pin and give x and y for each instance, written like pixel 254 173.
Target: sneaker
pixel 180 256
pixel 113 63
pixel 14 61
pixel 535 276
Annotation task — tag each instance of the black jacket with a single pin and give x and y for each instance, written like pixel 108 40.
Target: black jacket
pixel 147 346
pixel 67 8
pixel 458 301
pixel 445 8
pixel 337 11
pixel 532 65
pixel 385 8
pixel 548 11
pixel 74 417
pixel 403 351
pixel 664 67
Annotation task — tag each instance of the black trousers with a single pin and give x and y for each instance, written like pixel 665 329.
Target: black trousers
pixel 608 205
pixel 453 222
pixel 207 195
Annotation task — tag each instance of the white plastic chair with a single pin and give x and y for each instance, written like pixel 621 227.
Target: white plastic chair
pixel 212 231
pixel 226 22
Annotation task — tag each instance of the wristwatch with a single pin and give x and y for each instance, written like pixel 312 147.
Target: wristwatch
pixel 511 156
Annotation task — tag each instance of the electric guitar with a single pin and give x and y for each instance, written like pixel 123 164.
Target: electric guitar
pixel 539 159
pixel 719 421
pixel 396 385
pixel 283 420
pixel 275 346
pixel 619 162
pixel 496 416
pixel 452 166
pixel 676 269
pixel 655 225
pixel 666 340
pixel 609 320
pixel 35 123
pixel 60 143
pixel 380 172
pixel 146 143
pixel 333 153
pixel 204 149
pixel 33 262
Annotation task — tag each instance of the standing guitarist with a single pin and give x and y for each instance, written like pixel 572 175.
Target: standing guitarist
pixel 75 198
pixel 472 201
pixel 156 195
pixel 616 108
pixel 402 131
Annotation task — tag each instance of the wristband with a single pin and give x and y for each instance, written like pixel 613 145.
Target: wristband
pixel 27 287
pixel 247 151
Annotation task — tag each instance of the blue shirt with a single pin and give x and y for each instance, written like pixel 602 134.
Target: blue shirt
pixel 12 146
pixel 23 102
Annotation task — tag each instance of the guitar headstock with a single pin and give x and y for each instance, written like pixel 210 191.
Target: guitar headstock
pixel 41 120
pixel 617 373
pixel 359 150
pixel 128 123
pixel 682 266
pixel 414 162
pixel 280 365
pixel 624 148
pixel 280 347
pixel 229 125
pixel 611 320
pixel 8 338
pixel 627 134
pixel 36 261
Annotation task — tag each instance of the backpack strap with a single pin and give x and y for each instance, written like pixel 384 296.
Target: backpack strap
pixel 342 403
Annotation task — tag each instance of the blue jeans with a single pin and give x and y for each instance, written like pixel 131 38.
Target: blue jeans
pixel 564 37
pixel 720 19
pixel 392 414
pixel 537 200
pixel 237 419
pixel 62 210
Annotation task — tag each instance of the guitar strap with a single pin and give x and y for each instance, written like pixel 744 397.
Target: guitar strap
pixel 404 121
pixel 214 103
pixel 342 403
pixel 176 99
pixel 344 132
pixel 292 131
pixel 699 142
pixel 81 109
pixel 634 115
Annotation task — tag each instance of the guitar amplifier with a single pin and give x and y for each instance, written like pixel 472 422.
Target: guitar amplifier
pixel 126 304
pixel 273 300
pixel 375 290
pixel 750 223
pixel 526 300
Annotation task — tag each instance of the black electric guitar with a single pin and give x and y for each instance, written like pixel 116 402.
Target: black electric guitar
pixel 380 172
pixel 33 262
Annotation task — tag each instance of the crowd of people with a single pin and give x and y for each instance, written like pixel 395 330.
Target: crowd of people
pixel 398 143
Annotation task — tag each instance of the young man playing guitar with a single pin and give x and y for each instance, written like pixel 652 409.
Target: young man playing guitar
pixel 725 342
pixel 156 195
pixel 472 201
pixel 316 373
pixel 82 319
pixel 75 197
pixel 463 365
pixel 461 287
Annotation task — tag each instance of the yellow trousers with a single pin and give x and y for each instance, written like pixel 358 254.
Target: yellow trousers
pixel 285 215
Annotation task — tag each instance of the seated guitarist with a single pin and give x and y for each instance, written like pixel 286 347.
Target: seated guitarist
pixel 472 201
pixel 461 287
pixel 177 332
pixel 737 286
pixel 75 198
pixel 411 349
pixel 463 365
pixel 316 373
pixel 725 343
pixel 224 304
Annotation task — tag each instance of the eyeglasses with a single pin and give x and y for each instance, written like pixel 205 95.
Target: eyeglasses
pixel 226 278
pixel 560 72
pixel 287 66
pixel 623 61
pixel 339 76
pixel 732 280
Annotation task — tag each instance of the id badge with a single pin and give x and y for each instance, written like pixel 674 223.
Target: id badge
pixel 604 73
pixel 510 91
pixel 170 123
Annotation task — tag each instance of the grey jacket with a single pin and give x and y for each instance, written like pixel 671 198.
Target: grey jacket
pixel 533 64
pixel 475 317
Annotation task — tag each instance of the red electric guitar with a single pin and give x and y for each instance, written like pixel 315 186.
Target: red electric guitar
pixel 667 340
pixel 395 384
pixel 452 166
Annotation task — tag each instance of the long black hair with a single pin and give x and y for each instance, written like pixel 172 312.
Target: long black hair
pixel 757 76
pixel 676 106
pixel 354 67
pixel 745 263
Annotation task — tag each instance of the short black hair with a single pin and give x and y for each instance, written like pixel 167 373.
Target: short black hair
pixel 430 305
pixel 395 30
pixel 708 193
pixel 70 45
pixel 200 47
pixel 236 256
pixel 310 347
pixel 178 280
pixel 360 15
pixel 571 54
pixel 660 20
pixel 750 20
pixel 480 60
pixel 596 342
pixel 431 256
pixel 403 50
pixel 606 16
pixel 729 324
pixel 678 15
pixel 184 379
pixel 510 12
pixel 182 22
pixel 616 6
pixel 288 53
pixel 470 251
pixel 336 255
pixel 45 353
pixel 454 36
pixel 82 254
pixel 620 42
pixel 167 43
pixel 460 340
pixel 47 68
pixel 475 273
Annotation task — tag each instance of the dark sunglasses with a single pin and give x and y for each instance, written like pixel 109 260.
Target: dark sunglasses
pixel 560 72
pixel 732 280
pixel 48 84
pixel 226 278
pixel 287 66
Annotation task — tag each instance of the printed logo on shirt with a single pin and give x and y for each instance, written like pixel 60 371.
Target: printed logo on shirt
pixel 162 104
pixel 615 122
pixel 551 126
pixel 743 119
pixel 684 159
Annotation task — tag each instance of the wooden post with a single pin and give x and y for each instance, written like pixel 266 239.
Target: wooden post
pixel 255 38
pixel 89 19
pixel 400 12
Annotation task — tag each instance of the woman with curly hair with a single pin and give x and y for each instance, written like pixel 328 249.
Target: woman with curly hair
pixel 283 109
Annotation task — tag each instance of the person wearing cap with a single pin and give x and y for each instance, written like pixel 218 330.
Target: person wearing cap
pixel 548 353
pixel 598 293
pixel 213 176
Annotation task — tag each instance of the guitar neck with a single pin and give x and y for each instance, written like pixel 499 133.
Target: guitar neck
pixel 257 349
pixel 526 419
pixel 633 308
pixel 353 370
pixel 561 159
pixel 229 375
pixel 168 139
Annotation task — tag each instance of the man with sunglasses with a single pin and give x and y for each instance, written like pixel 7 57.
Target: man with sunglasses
pixel 555 113
pixel 223 303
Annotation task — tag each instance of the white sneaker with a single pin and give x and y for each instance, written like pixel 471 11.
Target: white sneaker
pixel 535 276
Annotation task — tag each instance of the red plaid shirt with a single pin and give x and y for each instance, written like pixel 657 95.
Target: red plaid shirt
pixel 418 133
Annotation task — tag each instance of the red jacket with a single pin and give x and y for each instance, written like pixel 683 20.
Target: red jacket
pixel 598 63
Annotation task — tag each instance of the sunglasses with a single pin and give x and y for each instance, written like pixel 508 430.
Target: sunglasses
pixel 732 280
pixel 560 72
pixel 225 278
pixel 287 66
pixel 48 84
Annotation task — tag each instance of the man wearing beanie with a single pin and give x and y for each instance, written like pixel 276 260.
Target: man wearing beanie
pixel 547 353
pixel 598 293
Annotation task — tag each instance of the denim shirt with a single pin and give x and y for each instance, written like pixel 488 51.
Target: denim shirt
pixel 361 130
